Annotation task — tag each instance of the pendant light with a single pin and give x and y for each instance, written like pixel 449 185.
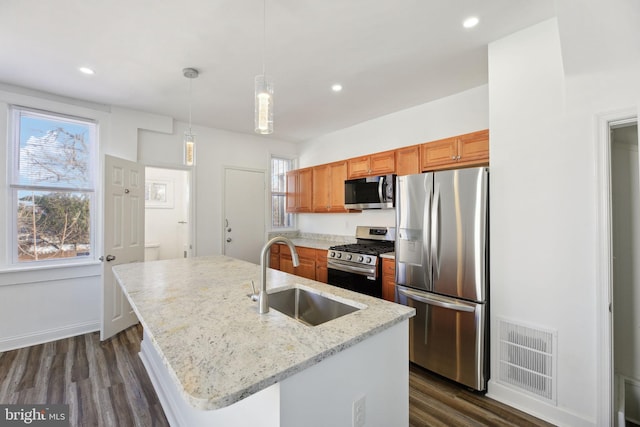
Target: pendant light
pixel 189 137
pixel 263 118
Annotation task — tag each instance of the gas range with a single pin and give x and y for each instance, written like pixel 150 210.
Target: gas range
pixel 360 253
pixel 356 266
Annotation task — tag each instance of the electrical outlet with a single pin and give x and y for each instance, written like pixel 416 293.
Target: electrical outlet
pixel 359 411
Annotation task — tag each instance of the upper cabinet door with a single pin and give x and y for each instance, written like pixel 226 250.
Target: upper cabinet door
pixel 359 167
pixel 408 160
pixel 328 187
pixel 474 147
pixel 375 164
pixel 305 195
pixel 299 190
pixel 438 153
pixel 383 163
pixel 471 149
pixel 292 191
pixel 321 188
pixel 336 194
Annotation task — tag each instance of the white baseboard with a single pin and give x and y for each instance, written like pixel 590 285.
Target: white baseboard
pixel 536 407
pixel 48 335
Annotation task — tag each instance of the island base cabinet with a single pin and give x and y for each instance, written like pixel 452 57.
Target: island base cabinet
pixel 376 369
pixel 321 395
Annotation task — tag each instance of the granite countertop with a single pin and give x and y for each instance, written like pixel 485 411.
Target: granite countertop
pixel 213 342
pixel 390 255
pixel 313 243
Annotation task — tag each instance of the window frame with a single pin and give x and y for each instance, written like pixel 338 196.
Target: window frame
pixel 15 113
pixel 292 165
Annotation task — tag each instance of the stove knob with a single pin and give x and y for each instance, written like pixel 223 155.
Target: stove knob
pixel 349 256
pixel 360 258
pixel 338 255
pixel 368 260
pixel 332 254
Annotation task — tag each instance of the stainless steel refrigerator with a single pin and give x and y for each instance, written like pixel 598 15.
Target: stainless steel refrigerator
pixel 442 270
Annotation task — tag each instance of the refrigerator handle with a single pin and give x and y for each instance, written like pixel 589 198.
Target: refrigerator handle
pixel 426 239
pixel 435 237
pixel 419 296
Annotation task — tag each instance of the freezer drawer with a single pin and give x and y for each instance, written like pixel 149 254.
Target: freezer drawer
pixel 447 336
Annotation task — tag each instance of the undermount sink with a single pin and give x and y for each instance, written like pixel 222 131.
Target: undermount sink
pixel 308 307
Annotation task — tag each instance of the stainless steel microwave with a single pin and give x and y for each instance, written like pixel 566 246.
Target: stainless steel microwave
pixel 373 192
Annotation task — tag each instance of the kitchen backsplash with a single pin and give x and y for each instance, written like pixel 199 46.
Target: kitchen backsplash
pixel 295 234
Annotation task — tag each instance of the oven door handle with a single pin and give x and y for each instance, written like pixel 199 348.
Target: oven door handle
pixel 352 269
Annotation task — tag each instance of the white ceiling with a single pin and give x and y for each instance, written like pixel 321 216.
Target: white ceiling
pixel 388 54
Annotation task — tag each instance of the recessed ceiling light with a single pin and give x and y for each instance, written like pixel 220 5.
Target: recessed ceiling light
pixel 86 70
pixel 470 22
pixel 336 87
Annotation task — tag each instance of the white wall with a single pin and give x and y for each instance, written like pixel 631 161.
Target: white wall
pixel 455 115
pixel 543 206
pixel 214 150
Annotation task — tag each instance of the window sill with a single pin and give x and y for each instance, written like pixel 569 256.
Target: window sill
pixel 47 273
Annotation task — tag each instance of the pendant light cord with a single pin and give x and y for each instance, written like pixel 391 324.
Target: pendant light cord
pixel 190 100
pixel 264 34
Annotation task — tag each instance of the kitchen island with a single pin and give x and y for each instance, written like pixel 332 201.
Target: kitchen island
pixel 215 361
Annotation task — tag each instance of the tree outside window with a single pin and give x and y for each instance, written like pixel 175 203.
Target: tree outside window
pixel 52 185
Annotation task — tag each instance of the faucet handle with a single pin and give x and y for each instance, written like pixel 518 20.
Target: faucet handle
pixel 254 295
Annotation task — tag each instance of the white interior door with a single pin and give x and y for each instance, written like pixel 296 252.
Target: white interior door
pixel 123 238
pixel 244 213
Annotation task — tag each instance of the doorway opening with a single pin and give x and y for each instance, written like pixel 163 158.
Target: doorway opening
pixel 625 285
pixel 168 222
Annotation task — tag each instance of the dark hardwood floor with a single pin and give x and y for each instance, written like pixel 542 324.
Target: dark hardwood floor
pixel 106 384
pixel 436 401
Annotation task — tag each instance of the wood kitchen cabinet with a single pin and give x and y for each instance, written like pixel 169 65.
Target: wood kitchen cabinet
pixel 328 187
pixel 389 279
pixel 300 190
pixel 322 274
pixel 307 258
pixel 372 165
pixel 274 257
pixel 313 262
pixel 408 160
pixel 320 189
pixel 463 150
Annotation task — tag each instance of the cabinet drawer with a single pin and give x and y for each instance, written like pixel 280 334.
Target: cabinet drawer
pixel 303 253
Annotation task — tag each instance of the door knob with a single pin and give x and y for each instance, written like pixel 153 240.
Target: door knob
pixel 229 230
pixel 109 258
pixel 228 239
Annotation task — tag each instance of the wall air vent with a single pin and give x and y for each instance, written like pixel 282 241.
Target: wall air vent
pixel 527 359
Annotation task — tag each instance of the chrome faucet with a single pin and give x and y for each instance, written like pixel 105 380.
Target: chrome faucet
pixel 263 297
